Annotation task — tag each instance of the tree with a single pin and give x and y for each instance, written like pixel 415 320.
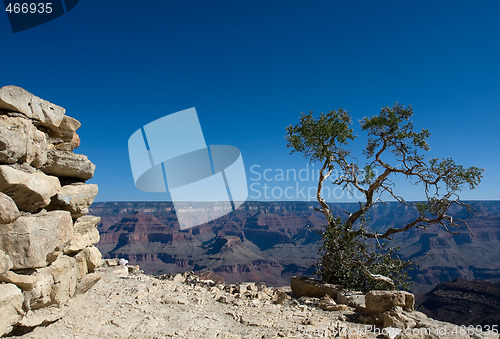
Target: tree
pixel 351 254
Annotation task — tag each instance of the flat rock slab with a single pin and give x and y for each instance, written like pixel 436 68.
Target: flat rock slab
pixel 16 99
pixel 68 164
pixel 75 198
pixel 30 191
pixel 309 287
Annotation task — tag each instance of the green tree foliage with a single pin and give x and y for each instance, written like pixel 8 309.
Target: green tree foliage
pixel 351 254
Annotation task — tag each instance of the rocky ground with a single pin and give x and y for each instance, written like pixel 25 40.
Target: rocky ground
pixel 134 305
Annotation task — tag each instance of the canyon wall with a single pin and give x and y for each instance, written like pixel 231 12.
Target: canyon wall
pixel 46 236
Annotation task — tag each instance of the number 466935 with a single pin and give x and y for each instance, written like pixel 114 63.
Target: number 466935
pixel 32 8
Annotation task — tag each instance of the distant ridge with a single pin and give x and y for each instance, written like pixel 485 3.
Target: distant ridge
pixel 271 241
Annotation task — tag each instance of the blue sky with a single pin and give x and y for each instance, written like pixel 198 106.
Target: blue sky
pixel 251 67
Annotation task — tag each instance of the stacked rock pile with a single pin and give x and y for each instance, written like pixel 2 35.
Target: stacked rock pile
pixel 46 238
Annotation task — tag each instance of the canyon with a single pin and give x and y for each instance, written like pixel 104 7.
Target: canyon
pixel 272 241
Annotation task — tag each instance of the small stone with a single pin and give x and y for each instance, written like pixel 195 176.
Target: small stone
pixel 93 258
pixel 8 209
pixel 5 262
pixel 87 282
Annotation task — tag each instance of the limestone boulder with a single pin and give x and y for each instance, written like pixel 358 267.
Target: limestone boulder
pixel 75 198
pixel 382 301
pixel 85 233
pixel 309 287
pixel 8 209
pixel 33 241
pixel 16 99
pixel 92 256
pixel 20 140
pixel 68 164
pixel 65 273
pixel 11 303
pixel 30 191
pixel 5 262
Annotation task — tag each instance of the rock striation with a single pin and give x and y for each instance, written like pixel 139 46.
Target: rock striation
pixel 46 239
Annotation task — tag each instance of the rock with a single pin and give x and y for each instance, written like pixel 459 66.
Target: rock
pixel 8 210
pixel 309 287
pixel 75 198
pixel 280 297
pixel 81 263
pixel 21 141
pixel 111 262
pixel 16 99
pixel 11 302
pixel 68 164
pixel 30 191
pixel 120 271
pixel 41 317
pixel 23 281
pixel 5 262
pixel 65 137
pixel 65 273
pixel 87 282
pixel 67 129
pixel 40 293
pixel 33 241
pixel 85 234
pixel 93 258
pixel 351 298
pixel 382 301
pixel 327 304
pixel 396 318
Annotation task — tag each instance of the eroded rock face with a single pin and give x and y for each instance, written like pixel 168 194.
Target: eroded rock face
pixel 68 165
pixel 30 191
pixel 36 151
pixel 32 240
pixel 16 99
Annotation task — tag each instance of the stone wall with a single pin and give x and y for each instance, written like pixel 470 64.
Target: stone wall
pixel 46 237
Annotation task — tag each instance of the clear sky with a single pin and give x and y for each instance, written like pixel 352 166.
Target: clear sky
pixel 251 67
